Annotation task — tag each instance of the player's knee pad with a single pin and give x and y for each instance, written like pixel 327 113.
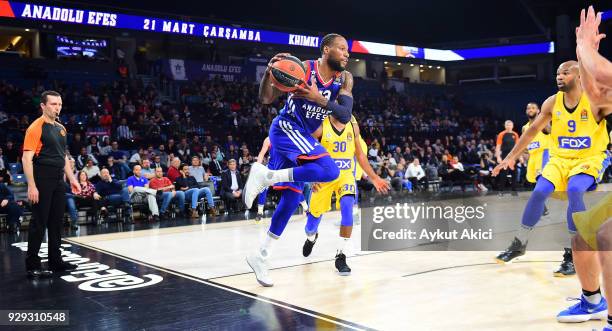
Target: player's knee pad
pixel 346 209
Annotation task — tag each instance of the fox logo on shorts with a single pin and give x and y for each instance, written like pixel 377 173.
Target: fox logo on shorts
pixel 343 164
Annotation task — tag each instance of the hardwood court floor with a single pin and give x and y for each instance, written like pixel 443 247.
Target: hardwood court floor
pixel 409 290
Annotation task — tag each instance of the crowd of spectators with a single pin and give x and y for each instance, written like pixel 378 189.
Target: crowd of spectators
pixel 124 132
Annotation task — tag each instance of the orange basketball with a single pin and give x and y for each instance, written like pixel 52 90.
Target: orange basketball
pixel 287 73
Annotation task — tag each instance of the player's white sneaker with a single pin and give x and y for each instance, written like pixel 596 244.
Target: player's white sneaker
pixel 257 263
pixel 256 183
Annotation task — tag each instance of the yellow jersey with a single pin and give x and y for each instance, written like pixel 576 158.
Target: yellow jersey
pixel 340 145
pixel 576 135
pixel 539 143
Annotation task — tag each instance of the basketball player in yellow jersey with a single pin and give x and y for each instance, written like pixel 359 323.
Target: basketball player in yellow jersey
pixel 595 225
pixel 538 148
pixel 578 143
pixel 342 141
pixel 358 174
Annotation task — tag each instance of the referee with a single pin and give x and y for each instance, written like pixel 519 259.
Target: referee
pixel 44 163
pixel 505 143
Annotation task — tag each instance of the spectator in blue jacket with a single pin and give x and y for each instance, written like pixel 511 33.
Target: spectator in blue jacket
pixel 112 190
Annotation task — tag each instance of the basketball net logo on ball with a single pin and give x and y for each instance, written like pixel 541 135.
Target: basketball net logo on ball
pixel 287 73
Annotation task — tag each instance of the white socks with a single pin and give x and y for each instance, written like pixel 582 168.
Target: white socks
pixel 260 209
pixel 282 175
pixel 265 250
pixel 593 299
pixel 304 205
pixel 342 244
pixel 312 237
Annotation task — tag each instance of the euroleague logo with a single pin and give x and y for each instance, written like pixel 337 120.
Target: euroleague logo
pixel 584 115
pixel 94 276
pixel 63 132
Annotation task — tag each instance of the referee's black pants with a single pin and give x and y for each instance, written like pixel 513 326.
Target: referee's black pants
pixel 47 213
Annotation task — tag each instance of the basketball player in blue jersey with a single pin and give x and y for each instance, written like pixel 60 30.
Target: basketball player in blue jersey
pixel 296 156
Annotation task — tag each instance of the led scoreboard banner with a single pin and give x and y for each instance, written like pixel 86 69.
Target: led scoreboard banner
pixel 29 11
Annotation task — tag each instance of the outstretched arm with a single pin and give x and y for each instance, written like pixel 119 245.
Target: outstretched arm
pixel 380 184
pixel 538 124
pixel 595 70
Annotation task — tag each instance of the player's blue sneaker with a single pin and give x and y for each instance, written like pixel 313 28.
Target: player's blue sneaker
pixel 607 328
pixel 584 311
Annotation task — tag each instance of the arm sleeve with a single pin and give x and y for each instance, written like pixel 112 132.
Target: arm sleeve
pixel 343 109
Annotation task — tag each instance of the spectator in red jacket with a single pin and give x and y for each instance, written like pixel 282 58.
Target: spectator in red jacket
pixel 164 184
pixel 173 170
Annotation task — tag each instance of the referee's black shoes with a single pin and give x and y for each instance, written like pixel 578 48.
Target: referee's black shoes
pixel 39 273
pixel 62 266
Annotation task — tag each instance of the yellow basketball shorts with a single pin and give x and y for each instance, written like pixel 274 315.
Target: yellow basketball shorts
pixel 558 170
pixel 320 200
pixel 537 162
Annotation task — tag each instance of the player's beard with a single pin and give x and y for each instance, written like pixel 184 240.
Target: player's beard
pixel 531 117
pixel 335 65
pixel 567 87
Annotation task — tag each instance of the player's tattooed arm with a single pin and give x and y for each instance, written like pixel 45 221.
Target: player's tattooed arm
pixel 343 108
pixel 347 85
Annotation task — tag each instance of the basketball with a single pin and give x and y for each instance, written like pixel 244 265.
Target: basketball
pixel 287 73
